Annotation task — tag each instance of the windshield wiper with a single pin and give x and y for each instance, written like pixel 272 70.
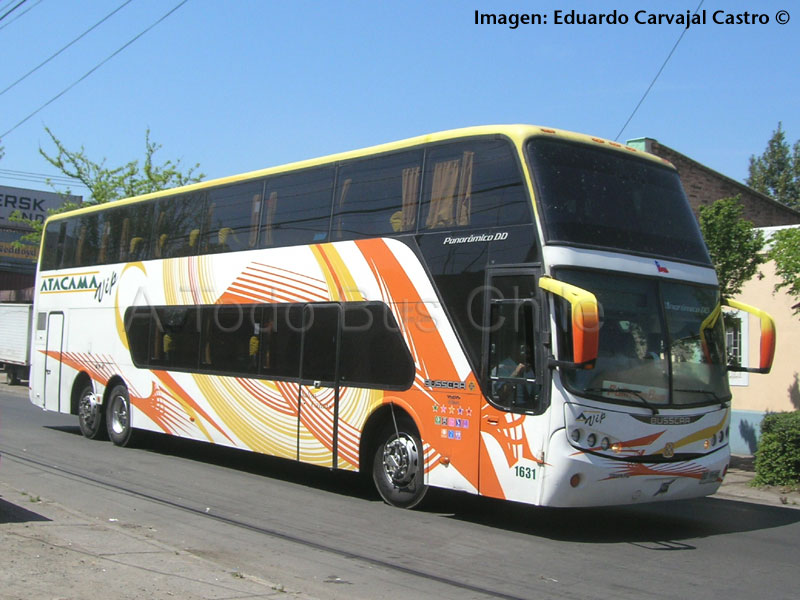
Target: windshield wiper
pixel 722 401
pixel 636 393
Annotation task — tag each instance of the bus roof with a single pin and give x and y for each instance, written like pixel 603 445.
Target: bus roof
pixel 517 133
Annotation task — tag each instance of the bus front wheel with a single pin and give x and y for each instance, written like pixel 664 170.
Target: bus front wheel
pixel 398 465
pixel 90 414
pixel 118 416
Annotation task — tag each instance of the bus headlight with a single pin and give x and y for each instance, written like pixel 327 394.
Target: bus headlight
pixel 576 435
pixel 591 440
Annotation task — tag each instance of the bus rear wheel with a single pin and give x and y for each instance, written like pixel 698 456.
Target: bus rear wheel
pixel 90 415
pixel 118 416
pixel 398 465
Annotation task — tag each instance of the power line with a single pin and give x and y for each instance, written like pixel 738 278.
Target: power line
pixel 95 68
pixel 40 178
pixel 36 68
pixel 20 3
pixel 24 12
pixel 649 87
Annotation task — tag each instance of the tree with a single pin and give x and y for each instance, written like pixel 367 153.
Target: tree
pixel 785 252
pixel 106 184
pixel 735 246
pixel 777 171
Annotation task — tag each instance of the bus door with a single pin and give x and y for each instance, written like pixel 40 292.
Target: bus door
pixel 515 420
pixel 52 361
pixel 318 400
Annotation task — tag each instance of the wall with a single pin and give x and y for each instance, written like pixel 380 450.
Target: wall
pixel 754 395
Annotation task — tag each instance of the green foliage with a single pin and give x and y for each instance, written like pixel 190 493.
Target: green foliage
pixel 778 455
pixel 735 246
pixel 785 252
pixel 777 171
pixel 108 183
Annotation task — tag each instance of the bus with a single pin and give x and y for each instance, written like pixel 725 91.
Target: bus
pixel 512 311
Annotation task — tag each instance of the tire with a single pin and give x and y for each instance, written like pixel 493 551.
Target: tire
pixel 118 416
pixel 12 377
pixel 91 417
pixel 398 465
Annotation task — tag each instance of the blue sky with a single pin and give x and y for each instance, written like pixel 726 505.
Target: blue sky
pixel 240 85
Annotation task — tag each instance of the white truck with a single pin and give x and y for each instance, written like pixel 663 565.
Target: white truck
pixel 15 341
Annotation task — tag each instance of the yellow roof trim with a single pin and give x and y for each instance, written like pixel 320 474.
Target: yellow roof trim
pixel 517 133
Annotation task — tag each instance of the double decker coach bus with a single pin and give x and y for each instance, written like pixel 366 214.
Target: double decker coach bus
pixel 513 311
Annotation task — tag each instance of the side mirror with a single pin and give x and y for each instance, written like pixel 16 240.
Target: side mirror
pixel 585 321
pixel 767 337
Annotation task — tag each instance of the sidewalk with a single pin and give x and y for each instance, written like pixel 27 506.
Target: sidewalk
pixel 736 486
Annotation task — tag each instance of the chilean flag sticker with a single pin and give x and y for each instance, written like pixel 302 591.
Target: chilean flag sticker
pixel 660 268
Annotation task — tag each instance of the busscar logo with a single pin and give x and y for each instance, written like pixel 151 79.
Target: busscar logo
pixel 446 385
pixel 668 420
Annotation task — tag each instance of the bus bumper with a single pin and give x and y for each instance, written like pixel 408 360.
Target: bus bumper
pixel 575 478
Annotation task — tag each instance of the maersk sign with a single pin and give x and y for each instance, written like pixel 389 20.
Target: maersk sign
pixel 31 204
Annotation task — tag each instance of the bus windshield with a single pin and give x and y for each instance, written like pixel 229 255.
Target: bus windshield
pixel 595 197
pixel 662 343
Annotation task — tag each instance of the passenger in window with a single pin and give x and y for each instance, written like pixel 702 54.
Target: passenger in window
pixel 524 392
pixel 227 240
pixel 396 221
pixel 191 248
pixel 136 249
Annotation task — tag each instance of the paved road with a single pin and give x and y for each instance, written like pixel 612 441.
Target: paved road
pixel 168 518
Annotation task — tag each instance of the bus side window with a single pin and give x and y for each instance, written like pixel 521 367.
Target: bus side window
pixel 52 251
pixel 103 254
pixel 87 246
pixel 298 208
pixel 138 328
pixel 512 364
pixel 114 227
pixel 377 196
pixel 473 184
pixel 177 337
pixel 226 338
pixel 233 224
pixel 179 225
pixel 373 351
pixel 280 333
pixel 123 248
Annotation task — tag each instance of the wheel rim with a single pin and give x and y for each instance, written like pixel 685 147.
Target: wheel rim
pixel 87 410
pixel 400 460
pixel 119 415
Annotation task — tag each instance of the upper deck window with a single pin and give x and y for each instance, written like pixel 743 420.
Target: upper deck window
pixel 595 197
pixel 377 196
pixel 297 208
pixel 474 183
